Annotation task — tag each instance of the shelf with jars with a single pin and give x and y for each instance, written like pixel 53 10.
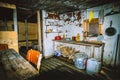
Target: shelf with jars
pixel 53 26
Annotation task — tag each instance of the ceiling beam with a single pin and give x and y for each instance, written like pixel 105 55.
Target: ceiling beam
pixel 6 5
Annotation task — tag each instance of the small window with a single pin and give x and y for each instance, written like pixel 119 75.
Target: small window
pixel 92 28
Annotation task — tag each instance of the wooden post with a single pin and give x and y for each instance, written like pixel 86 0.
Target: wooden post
pixel 39 31
pixel 103 44
pixel 26 33
pixel 92 53
pixel 100 28
pixel 15 20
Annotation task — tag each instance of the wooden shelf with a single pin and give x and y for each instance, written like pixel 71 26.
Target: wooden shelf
pixel 52 19
pixel 53 32
pixel 87 43
pixel 28 40
pixel 52 25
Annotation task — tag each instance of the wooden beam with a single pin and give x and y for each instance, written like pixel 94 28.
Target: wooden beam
pixel 15 20
pixel 26 32
pixel 39 30
pixel 6 5
pixel 15 23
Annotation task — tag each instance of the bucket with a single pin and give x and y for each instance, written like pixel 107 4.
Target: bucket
pixel 93 66
pixel 80 60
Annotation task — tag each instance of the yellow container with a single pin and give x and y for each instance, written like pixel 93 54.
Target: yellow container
pixel 77 37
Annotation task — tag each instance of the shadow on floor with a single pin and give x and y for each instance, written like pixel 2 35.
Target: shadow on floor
pixel 55 69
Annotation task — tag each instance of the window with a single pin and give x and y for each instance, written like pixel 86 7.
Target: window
pixel 92 28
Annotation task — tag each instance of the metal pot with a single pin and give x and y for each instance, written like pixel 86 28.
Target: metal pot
pixel 110 31
pixel 80 60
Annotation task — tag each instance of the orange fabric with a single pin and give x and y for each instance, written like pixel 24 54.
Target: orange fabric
pixel 32 56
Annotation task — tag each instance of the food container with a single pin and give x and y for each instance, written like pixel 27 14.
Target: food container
pixel 73 38
pixel 93 66
pixel 80 60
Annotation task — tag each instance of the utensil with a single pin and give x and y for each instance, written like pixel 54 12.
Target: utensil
pixel 110 31
pixel 72 18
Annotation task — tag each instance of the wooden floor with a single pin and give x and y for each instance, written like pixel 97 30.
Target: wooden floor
pixel 58 69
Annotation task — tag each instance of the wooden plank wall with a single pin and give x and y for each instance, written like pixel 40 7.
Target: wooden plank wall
pixel 32 30
pixel 10 38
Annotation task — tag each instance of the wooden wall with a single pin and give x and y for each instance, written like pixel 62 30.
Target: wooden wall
pixel 10 38
pixel 32 31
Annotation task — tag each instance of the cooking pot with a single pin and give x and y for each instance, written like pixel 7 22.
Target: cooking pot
pixel 80 60
pixel 110 31
pixel 57 37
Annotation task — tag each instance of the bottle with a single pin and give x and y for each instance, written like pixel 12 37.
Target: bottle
pixel 78 37
pixel 63 36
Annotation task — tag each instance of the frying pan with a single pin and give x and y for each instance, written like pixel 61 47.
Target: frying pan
pixel 110 31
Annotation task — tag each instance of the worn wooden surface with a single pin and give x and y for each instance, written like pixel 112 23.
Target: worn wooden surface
pixel 57 69
pixel 6 5
pixel 10 38
pixel 15 66
pixel 87 43
pixel 32 31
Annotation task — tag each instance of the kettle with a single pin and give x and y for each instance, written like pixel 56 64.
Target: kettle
pixel 57 37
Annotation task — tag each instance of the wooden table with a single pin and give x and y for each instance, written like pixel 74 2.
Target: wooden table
pixel 15 66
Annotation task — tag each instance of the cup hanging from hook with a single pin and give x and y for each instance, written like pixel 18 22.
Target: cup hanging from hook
pixel 72 17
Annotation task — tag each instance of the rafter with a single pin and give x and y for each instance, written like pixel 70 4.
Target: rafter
pixel 6 5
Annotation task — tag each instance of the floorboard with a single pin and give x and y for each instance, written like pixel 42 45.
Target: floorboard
pixel 55 69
